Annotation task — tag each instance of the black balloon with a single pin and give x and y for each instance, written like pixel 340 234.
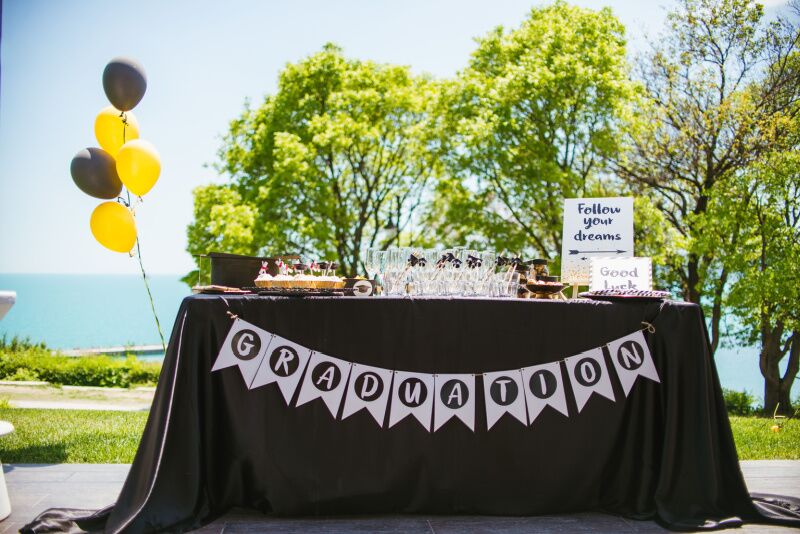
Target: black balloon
pixel 124 82
pixel 94 171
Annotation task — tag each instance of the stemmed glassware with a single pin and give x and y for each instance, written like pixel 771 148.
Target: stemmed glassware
pixel 439 271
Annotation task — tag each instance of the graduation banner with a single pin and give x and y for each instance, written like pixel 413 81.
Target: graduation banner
pixel 433 399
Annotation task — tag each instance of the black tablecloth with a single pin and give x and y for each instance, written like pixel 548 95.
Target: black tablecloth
pixel 665 452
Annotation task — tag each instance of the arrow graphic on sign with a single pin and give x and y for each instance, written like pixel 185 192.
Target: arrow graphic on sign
pixel 596 251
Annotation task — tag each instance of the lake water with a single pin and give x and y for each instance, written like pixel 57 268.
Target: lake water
pixel 83 311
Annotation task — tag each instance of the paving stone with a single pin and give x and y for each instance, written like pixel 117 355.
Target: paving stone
pixel 34 488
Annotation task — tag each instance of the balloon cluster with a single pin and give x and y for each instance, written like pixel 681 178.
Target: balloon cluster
pixel 122 159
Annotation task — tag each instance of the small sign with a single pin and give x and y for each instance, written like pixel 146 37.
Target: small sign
pixel 621 273
pixel 594 228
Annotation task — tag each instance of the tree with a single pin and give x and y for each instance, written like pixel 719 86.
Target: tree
pixel 222 222
pixel 336 155
pixel 761 207
pixel 528 123
pixel 720 88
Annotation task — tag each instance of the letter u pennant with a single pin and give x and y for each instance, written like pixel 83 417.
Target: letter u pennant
pixel 412 394
pixel 368 388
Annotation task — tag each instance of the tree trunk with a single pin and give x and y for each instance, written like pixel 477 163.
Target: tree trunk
pixel 776 388
pixel 691 292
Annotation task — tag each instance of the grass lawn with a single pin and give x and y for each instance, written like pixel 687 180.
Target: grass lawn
pixel 755 441
pixel 71 436
pixel 84 436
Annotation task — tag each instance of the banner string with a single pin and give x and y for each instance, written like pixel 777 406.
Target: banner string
pixel 648 327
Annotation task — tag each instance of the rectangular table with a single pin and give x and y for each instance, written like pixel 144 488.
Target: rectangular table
pixel 663 452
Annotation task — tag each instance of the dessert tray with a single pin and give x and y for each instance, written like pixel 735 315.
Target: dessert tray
pixel 625 294
pixel 544 288
pixel 295 291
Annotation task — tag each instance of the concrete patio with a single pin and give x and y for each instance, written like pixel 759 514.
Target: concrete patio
pixel 34 488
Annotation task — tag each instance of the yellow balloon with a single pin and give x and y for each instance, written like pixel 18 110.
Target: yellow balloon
pixel 111 132
pixel 138 166
pixel 113 226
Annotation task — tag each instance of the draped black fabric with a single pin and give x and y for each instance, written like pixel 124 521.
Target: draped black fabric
pixel 666 452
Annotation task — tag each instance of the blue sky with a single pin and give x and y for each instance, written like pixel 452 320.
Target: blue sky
pixel 203 59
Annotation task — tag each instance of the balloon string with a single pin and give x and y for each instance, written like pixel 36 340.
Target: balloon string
pixel 147 285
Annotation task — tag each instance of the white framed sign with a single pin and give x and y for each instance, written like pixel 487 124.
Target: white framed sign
pixel 594 228
pixel 621 273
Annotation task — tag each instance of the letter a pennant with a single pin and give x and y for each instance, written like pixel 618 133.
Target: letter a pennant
pixel 325 379
pixel 454 397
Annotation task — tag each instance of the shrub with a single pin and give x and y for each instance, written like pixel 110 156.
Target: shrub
pixel 21 361
pixel 740 402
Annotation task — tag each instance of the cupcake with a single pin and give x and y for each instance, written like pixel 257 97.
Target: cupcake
pixel 282 280
pixel 264 279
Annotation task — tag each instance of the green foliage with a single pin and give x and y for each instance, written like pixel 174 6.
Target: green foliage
pixel 739 402
pixel 71 436
pixel 40 364
pixel 323 166
pixel 17 343
pixel 527 124
pixel 754 222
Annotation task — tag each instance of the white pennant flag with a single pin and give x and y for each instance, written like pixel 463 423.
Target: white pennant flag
pixel 284 364
pixel 544 387
pixel 588 374
pixel 632 358
pixel 412 393
pixel 326 378
pixel 244 346
pixel 454 396
pixel 503 392
pixel 369 388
